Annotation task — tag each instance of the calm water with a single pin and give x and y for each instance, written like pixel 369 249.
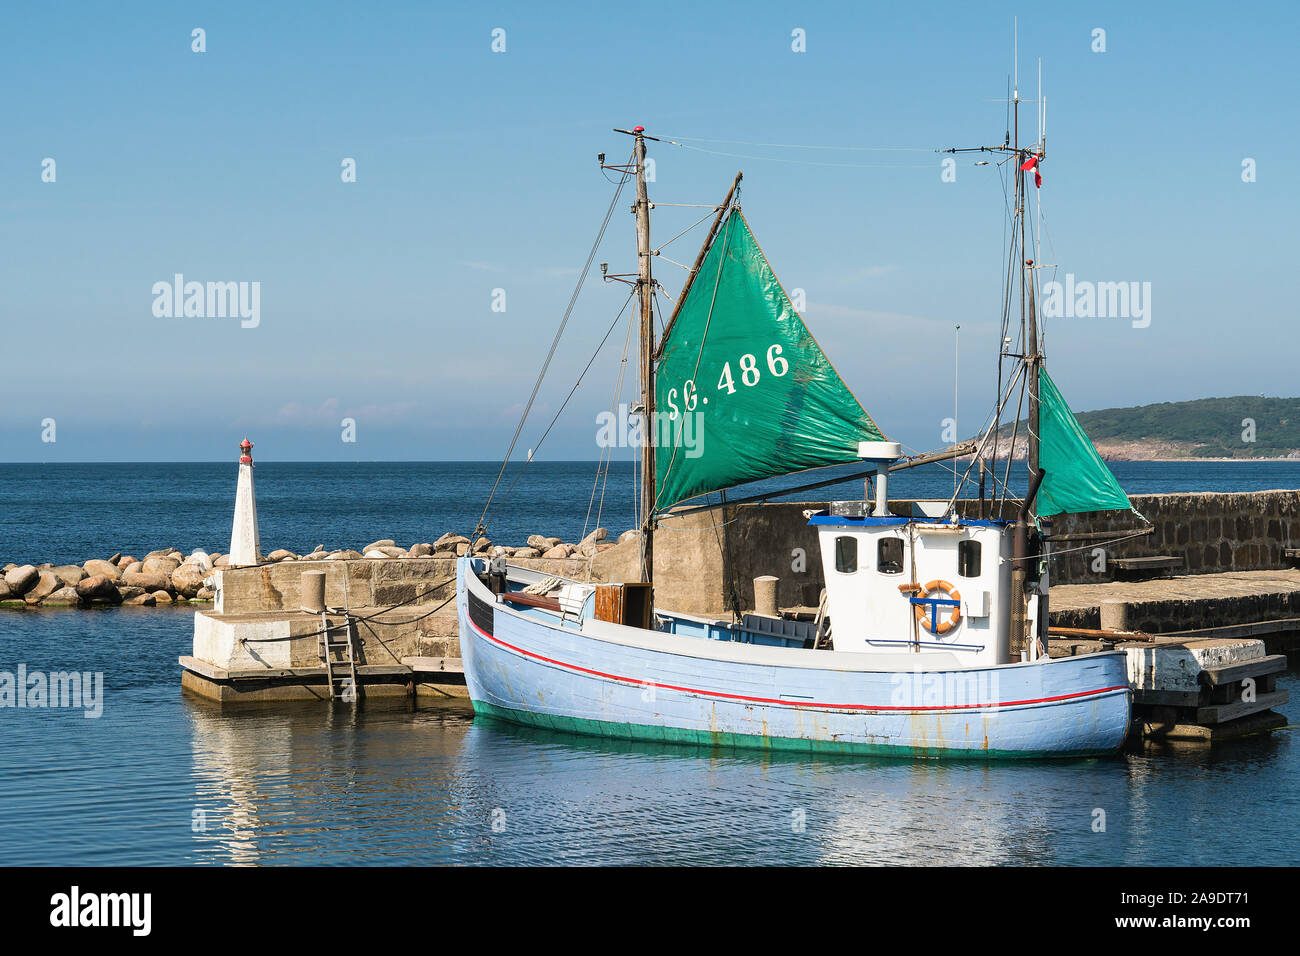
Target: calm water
pixel 161 778
pixel 66 512
pixel 314 784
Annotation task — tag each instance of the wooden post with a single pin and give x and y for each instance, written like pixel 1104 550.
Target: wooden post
pixel 645 290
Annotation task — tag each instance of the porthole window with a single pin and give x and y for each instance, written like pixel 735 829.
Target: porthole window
pixel 889 556
pixel 846 554
pixel 968 559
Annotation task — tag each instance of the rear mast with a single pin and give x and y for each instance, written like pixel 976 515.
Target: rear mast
pixel 1032 356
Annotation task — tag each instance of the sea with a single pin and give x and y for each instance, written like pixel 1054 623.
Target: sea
pixel 149 776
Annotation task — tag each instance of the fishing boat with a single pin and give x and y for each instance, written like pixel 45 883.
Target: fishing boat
pixel 931 638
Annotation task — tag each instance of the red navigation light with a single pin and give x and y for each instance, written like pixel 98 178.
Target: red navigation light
pixel 246 452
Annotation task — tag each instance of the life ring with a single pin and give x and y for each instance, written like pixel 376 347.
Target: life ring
pixel 924 615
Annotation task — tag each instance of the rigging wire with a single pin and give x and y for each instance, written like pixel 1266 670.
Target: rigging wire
pixel 805 162
pixel 560 411
pixel 680 265
pixel 582 278
pixel 743 142
pixel 662 325
pixel 996 416
pixel 608 460
pixel 1015 431
pixel 700 354
pixel 712 211
pixel 1097 544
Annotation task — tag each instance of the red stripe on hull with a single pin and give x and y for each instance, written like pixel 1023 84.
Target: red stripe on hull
pixel 790 703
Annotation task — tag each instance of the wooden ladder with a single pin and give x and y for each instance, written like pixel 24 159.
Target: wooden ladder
pixel 340 672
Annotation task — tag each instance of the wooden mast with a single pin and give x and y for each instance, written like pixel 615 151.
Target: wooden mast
pixel 645 292
pixel 1027 565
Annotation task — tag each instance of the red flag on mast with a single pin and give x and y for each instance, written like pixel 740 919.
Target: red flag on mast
pixel 1032 163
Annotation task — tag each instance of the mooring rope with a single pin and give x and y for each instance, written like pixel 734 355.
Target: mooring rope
pixel 370 618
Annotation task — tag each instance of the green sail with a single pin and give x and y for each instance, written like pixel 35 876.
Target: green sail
pixel 743 392
pixel 1075 478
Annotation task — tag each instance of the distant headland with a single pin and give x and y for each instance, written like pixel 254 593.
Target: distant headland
pixel 1205 429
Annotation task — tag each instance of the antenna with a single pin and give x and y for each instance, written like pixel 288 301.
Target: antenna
pixel 1038 197
pixel 1015 56
pixel 956 364
pixel 1040 101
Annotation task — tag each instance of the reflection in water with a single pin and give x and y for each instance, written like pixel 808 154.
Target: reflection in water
pixel 387 784
pixel 321 784
pixel 647 802
pixel 227 780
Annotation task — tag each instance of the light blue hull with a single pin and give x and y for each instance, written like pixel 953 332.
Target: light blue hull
pixel 526 668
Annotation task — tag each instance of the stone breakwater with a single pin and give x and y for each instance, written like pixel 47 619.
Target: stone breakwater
pixel 168 576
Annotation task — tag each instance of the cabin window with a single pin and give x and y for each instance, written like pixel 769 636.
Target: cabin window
pixel 889 556
pixel 968 559
pixel 846 554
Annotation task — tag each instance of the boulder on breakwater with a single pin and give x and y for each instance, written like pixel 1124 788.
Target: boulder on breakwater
pixel 167 576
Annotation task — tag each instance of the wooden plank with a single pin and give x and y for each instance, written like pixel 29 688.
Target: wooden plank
pixel 1235 673
pixel 1219 713
pixel 1167 698
pixel 435 665
pixel 531 600
pixel 1197 734
pixel 1096 634
pixel 212 672
pixel 363 670
pixel 202 667
pixel 1151 561
pixel 609 603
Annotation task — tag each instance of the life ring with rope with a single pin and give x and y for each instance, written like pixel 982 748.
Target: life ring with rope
pixel 928 615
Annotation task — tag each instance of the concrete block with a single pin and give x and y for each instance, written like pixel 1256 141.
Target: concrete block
pixel 1174 665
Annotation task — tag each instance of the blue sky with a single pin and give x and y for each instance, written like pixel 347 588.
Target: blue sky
pixel 476 171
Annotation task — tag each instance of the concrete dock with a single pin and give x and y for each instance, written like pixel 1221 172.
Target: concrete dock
pixel 1184 602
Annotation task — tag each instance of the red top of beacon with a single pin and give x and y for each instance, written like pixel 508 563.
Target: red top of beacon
pixel 245 449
